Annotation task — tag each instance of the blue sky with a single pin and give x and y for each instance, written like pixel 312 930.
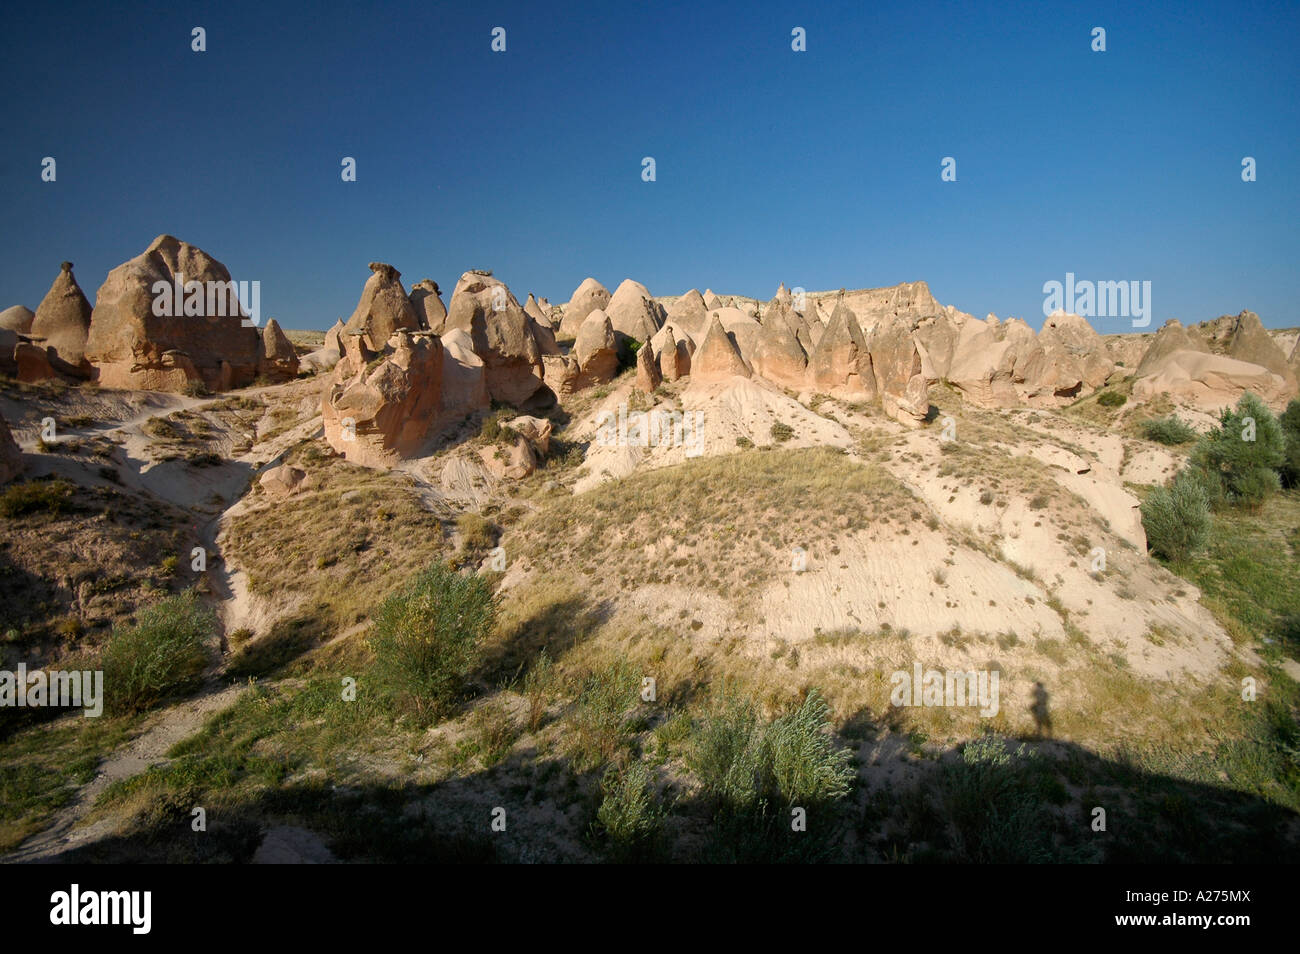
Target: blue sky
pixel 820 169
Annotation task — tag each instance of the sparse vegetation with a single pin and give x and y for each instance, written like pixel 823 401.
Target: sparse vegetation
pixel 163 654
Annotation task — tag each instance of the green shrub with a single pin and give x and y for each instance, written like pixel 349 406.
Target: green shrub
pixel 1290 422
pixel 744 762
pixel 159 656
pixel 1111 399
pixel 806 767
pixel 629 816
pixel 599 718
pixel 1177 519
pixel 427 637
pixel 994 800
pixel 1167 430
pixel 33 496
pixel 1235 467
pixel 782 432
pixel 196 388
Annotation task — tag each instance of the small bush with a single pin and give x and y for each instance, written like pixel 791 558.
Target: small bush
pixel 782 432
pixel 629 817
pixel 159 656
pixel 1239 462
pixel 1111 399
pixel 1177 519
pixel 36 496
pixel 196 388
pixel 428 634
pixel 1167 430
pixel 600 716
pixel 475 530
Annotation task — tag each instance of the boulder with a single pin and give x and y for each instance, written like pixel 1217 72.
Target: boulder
pixel 17 318
pixel 840 365
pixel 503 336
pixel 132 347
pixel 717 358
pixel 383 309
pixel 590 296
pixel 11 456
pixel 535 430
pixel 61 323
pixel 284 481
pixel 380 412
pixel 279 360
pixel 426 299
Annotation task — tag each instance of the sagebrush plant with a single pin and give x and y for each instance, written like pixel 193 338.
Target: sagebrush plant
pixel 162 654
pixel 1167 430
pixel 1177 519
pixel 1237 469
pixel 1111 399
pixel 629 816
pixel 427 636
pixel 745 763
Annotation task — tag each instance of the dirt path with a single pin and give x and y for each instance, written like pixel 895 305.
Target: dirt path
pixel 165 728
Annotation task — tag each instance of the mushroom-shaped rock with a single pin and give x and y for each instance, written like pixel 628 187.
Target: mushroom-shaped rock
pixel 383 309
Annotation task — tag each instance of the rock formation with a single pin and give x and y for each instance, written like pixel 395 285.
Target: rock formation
pixel 778 356
pixel 717 358
pixel 840 365
pixel 502 334
pixel 596 350
pixel 426 299
pixel 279 361
pixel 132 345
pixel 11 457
pixel 61 323
pixel 383 309
pixel 590 296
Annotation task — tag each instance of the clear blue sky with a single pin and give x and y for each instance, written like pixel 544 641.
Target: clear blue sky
pixel 819 169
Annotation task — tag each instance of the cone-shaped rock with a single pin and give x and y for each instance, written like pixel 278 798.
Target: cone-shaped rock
pixel 62 321
pixel 669 364
pixel 633 311
pixel 896 364
pixel 279 359
pixel 840 365
pixel 777 355
pixel 717 358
